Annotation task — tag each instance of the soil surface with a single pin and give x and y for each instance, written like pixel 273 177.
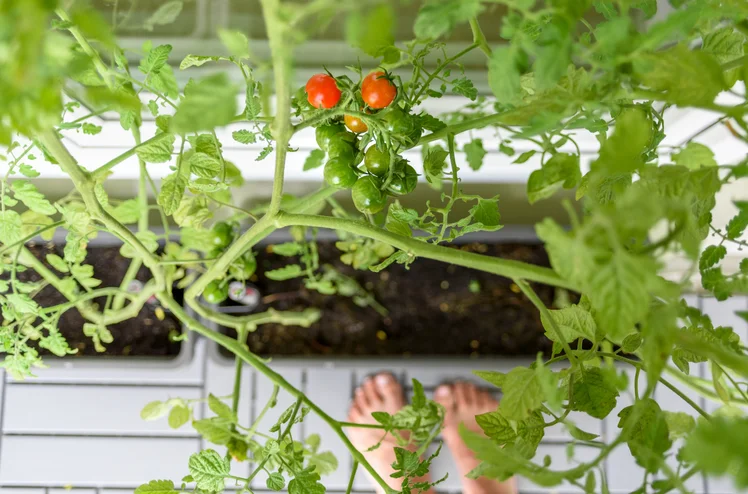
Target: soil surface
pixel 144 335
pixel 433 308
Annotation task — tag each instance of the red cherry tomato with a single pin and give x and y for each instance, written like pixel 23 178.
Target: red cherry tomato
pixel 355 124
pixel 377 90
pixel 322 91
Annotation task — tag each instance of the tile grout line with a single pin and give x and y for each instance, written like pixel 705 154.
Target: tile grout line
pixel 203 394
pixel 3 403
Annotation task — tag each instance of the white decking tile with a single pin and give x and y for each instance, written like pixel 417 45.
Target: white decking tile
pixel 93 461
pixel 331 388
pixel 81 409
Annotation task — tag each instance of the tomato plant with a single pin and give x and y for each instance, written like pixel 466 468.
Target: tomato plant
pixel 565 74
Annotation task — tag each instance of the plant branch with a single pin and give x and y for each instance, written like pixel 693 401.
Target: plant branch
pixel 502 267
pixel 256 362
pixel 479 38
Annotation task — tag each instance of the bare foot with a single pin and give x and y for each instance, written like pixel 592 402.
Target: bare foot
pixel 463 401
pixel 379 394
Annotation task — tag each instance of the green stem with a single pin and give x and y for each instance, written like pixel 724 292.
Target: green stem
pixel 349 489
pixel 84 184
pixel 458 128
pixel 479 38
pixel 502 267
pixel 241 337
pixel 101 68
pixel 280 50
pixel 236 348
pixel 103 169
pixel 29 237
pixel 270 404
pixel 530 293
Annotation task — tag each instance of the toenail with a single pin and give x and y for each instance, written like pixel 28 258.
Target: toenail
pixel 442 392
pixel 384 380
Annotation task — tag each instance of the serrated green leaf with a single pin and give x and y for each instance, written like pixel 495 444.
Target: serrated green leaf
pixel 158 151
pixel 148 238
pixel 209 470
pixel 285 273
pixel 579 434
pixel 207 104
pixel 314 160
pixel 213 430
pixel 157 487
pixel 22 303
pixel 204 165
pixel 275 482
pixel 165 14
pixel 592 393
pixel 56 262
pixel 155 59
pixel 727 455
pixel 726 45
pixel 522 158
pixel 372 30
pixel 496 426
pixel 475 153
pixel 126 212
pixel 246 137
pixel 711 256
pixel 694 156
pixel 464 86
pixel 496 378
pixel 503 74
pixel 679 424
pixel 562 170
pixel 486 213
pixel 235 42
pixel 197 61
pixel 646 432
pixel 27 193
pixel 438 17
pixel 687 77
pixel 172 191
pixel 574 322
pixel 221 409
pixel 522 394
pixel 632 342
pixel 325 462
pixel 434 163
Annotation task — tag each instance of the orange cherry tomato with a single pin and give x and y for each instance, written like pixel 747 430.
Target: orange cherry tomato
pixel 355 124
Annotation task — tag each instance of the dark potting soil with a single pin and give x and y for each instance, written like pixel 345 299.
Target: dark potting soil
pixel 144 335
pixel 433 308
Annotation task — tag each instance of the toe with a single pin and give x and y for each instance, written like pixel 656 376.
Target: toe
pixel 444 395
pixel 372 394
pixel 354 413
pixel 390 391
pixel 361 399
pixel 463 395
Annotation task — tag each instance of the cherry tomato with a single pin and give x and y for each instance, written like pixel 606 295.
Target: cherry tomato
pixel 324 133
pixel 355 124
pixel 339 173
pixel 341 147
pixel 377 161
pixel 377 90
pixel 366 195
pixel 216 292
pixel 322 91
pixel 223 234
pixel 404 182
pixel 406 128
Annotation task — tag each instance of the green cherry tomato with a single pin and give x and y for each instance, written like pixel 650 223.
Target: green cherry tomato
pixel 339 173
pixel 405 128
pixel 215 292
pixel 223 234
pixel 377 161
pixel 326 132
pixel 341 147
pixel 366 195
pixel 403 183
pixel 249 263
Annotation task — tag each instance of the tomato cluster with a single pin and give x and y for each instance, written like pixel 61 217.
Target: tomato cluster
pixel 365 157
pixel 221 236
